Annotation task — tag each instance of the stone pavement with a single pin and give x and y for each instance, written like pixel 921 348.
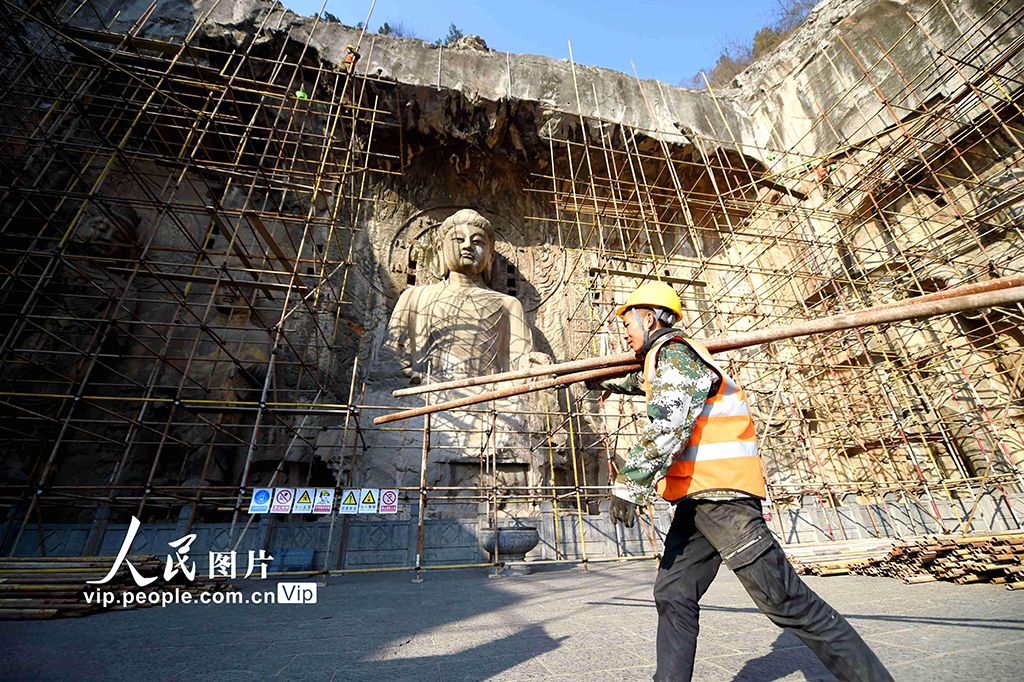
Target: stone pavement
pixel 561 623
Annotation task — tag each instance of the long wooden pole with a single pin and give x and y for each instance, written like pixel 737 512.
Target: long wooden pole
pixel 918 308
pixel 869 316
pixel 630 358
pixel 554 382
pixel 514 375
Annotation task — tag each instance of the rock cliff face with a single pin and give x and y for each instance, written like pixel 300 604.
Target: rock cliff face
pixel 480 79
pixel 338 193
pixel 850 54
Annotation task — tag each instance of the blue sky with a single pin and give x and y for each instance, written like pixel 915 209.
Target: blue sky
pixel 669 41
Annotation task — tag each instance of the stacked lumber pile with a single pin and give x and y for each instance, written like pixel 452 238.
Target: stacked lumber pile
pixel 837 558
pixel 54 587
pixel 984 558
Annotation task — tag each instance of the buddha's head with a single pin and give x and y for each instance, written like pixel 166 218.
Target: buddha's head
pixel 467 244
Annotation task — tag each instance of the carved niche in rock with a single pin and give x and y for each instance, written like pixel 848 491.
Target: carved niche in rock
pixel 451 322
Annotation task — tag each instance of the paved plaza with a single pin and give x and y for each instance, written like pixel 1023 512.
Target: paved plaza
pixel 560 623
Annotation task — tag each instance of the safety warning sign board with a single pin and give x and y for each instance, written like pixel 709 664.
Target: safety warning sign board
pixel 388 501
pixel 368 500
pixel 283 498
pixel 349 502
pixel 303 501
pixel 260 503
pixel 323 501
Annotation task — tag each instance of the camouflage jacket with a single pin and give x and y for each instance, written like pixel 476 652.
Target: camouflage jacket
pixel 680 387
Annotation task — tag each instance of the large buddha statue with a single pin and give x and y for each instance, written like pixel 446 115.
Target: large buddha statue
pixel 459 327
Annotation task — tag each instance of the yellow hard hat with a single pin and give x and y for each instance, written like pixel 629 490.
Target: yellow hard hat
pixel 652 295
pixel 350 46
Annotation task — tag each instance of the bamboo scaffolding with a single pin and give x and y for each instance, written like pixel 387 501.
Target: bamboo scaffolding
pixel 266 196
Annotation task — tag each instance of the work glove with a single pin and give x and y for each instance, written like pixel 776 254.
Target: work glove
pixel 622 511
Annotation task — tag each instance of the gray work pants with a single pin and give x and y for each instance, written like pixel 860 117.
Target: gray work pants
pixel 704 534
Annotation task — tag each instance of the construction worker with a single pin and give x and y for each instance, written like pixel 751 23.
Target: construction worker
pixel 351 57
pixel 700 453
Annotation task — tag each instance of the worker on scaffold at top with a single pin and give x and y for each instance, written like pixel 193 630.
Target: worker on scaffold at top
pixel 700 453
pixel 351 58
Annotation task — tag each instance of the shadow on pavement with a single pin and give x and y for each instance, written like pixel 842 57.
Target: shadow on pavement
pixel 788 656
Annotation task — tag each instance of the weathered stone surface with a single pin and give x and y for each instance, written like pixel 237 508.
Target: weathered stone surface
pixel 470 42
pixel 821 68
pixel 477 75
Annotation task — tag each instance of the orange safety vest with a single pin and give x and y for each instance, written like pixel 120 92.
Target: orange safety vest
pixel 722 452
